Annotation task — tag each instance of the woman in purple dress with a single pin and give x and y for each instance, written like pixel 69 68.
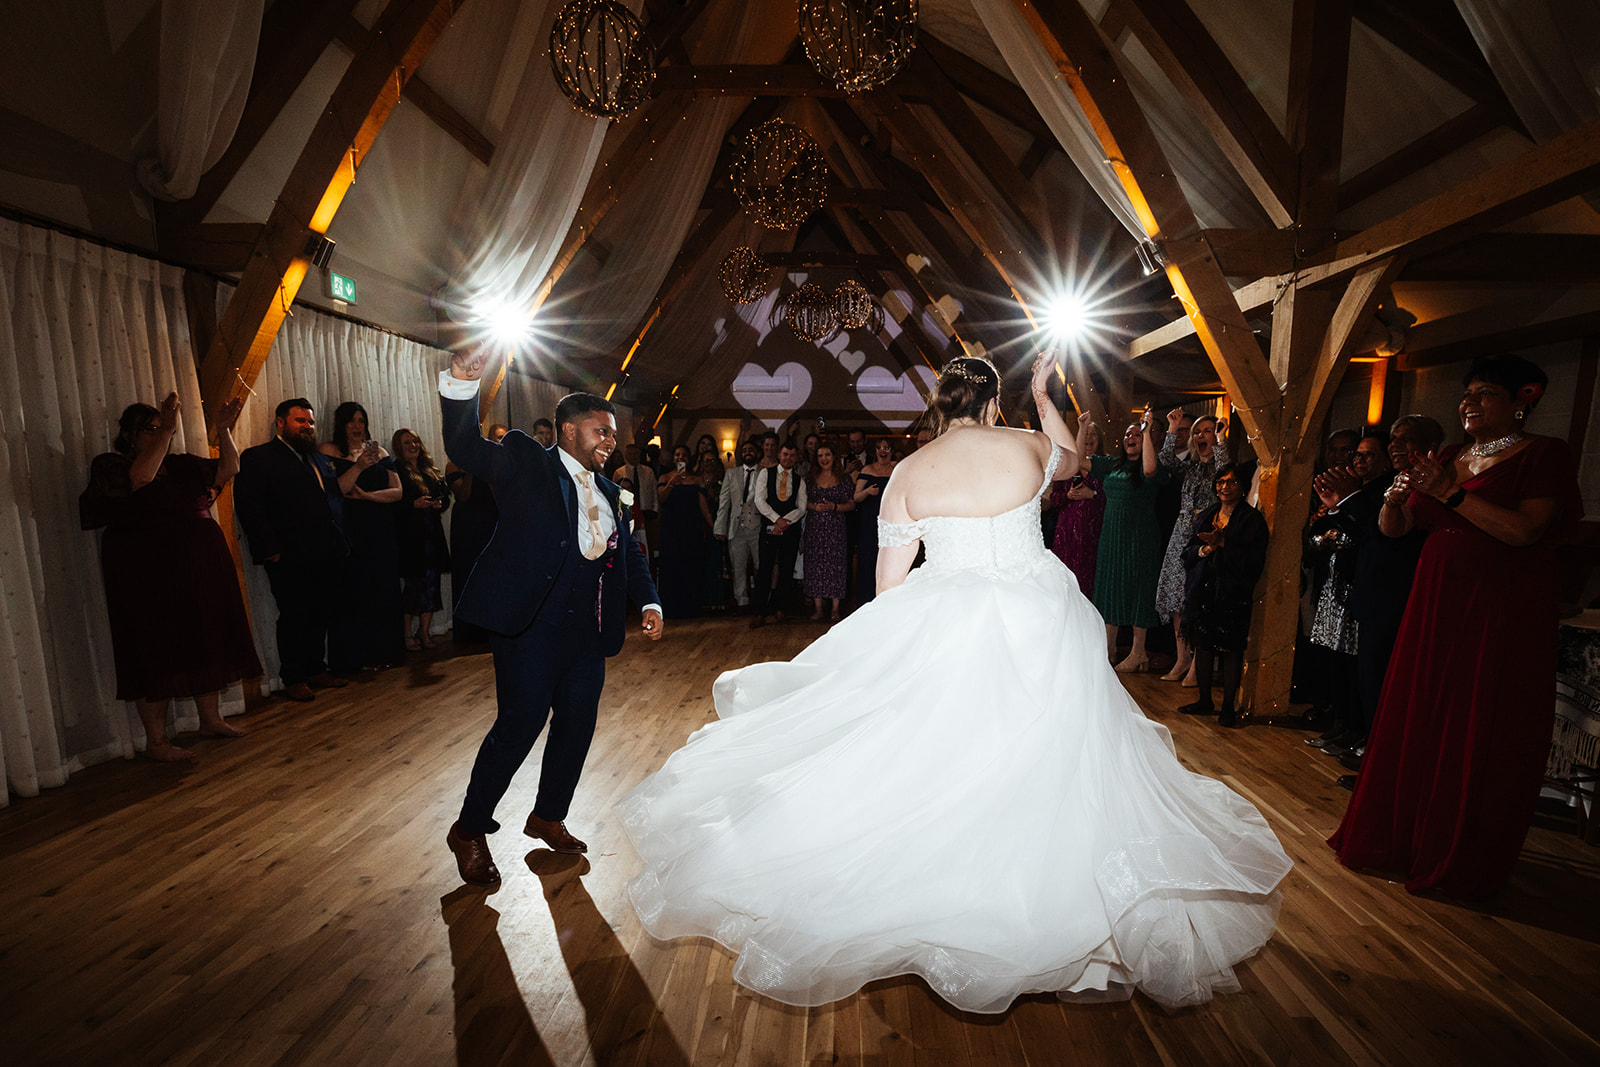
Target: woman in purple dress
pixel 829 494
pixel 178 626
pixel 1082 505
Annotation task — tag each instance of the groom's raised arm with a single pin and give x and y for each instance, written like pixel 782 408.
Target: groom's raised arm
pixel 458 402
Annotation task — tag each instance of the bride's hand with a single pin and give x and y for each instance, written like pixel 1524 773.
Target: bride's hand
pixel 1043 367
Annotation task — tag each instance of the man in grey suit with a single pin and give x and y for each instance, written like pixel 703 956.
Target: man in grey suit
pixel 738 522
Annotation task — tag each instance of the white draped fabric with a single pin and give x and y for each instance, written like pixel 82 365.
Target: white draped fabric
pixel 329 360
pixel 84 331
pixel 208 51
pixel 620 296
pixel 511 231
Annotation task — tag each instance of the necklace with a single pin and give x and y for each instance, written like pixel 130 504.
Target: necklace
pixel 1499 444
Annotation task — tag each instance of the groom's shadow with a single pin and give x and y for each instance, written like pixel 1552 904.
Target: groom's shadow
pixel 492 1021
pixel 621 1013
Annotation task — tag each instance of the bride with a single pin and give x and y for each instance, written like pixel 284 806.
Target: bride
pixel 953 782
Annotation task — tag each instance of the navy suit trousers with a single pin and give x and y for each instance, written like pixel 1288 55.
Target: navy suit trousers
pixel 545 673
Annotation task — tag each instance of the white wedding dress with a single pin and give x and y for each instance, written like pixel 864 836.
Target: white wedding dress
pixel 953 783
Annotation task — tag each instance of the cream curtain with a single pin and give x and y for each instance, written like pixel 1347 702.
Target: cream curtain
pixel 208 51
pixel 84 331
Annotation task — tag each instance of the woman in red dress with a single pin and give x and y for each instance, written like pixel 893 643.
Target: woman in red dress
pixel 1458 748
pixel 178 625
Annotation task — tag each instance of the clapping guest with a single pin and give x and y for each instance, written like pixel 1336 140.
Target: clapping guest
pixel 686 521
pixel 424 553
pixel 178 626
pixel 361 634
pixel 870 483
pixel 1385 569
pixel 1350 498
pixel 829 495
pixel 1226 553
pixel 1081 507
pixel 1457 753
pixel 1195 470
pixel 1129 559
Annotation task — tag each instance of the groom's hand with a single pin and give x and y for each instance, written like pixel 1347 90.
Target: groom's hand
pixel 468 366
pixel 654 627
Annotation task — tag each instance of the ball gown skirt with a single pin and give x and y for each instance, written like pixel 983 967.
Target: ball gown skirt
pixel 953 783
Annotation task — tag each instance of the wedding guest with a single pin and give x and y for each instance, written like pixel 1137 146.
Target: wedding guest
pixel 544 431
pixel 178 625
pixel 424 552
pixel 361 634
pixel 808 455
pixel 1350 498
pixel 1226 553
pixel 706 445
pixel 738 523
pixel 685 526
pixel 1194 470
pixel 1385 569
pixel 471 527
pixel 288 503
pixel 781 499
pixel 713 560
pixel 924 435
pixel 1457 753
pixel 1080 505
pixel 856 455
pixel 1129 559
pixel 870 483
pixel 829 495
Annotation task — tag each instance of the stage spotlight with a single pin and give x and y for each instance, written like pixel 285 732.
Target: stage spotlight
pixel 506 323
pixel 1066 318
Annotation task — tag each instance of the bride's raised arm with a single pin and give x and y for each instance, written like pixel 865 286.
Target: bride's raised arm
pixel 1050 421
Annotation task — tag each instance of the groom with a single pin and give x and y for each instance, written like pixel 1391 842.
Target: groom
pixel 550 588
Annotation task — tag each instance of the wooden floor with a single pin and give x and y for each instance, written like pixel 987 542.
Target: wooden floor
pixel 288 899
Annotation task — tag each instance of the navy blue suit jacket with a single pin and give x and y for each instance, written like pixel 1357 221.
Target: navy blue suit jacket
pixel 282 511
pixel 526 572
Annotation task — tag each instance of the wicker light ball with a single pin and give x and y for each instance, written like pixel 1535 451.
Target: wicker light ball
pixel 744 275
pixel 858 44
pixel 780 175
pixel 854 307
pixel 808 311
pixel 602 59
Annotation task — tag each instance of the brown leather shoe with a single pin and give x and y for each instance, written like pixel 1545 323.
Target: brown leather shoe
pixel 553 834
pixel 328 681
pixel 473 861
pixel 299 691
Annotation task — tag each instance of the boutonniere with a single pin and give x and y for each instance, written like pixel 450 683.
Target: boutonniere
pixel 626 496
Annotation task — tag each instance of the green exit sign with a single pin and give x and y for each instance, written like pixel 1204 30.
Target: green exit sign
pixel 341 288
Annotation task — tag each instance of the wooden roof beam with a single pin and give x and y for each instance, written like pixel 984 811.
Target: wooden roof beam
pixel 1074 43
pixel 1319 67
pixel 744 79
pixel 1452 135
pixel 427 100
pixel 987 88
pixel 1184 49
pixel 1544 175
pixel 363 101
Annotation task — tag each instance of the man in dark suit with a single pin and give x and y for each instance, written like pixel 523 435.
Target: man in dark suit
pixel 287 500
pixel 551 589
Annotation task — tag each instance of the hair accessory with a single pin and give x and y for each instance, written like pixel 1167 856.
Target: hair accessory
pixel 1531 392
pixel 958 369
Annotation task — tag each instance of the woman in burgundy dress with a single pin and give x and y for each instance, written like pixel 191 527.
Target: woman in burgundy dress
pixel 1082 503
pixel 1457 752
pixel 829 494
pixel 178 625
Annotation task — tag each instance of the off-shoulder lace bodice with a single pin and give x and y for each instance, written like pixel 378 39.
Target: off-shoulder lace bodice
pixel 998 546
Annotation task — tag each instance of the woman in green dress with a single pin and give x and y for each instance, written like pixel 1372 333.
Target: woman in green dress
pixel 1129 563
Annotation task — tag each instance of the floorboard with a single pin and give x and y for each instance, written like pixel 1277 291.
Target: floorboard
pixel 287 899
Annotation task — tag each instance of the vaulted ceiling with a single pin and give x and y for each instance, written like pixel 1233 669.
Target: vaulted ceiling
pixel 1277 132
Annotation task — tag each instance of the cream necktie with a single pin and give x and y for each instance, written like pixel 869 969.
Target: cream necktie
pixel 783 484
pixel 591 508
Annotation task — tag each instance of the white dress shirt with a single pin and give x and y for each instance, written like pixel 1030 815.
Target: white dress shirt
pixel 797 486
pixel 644 484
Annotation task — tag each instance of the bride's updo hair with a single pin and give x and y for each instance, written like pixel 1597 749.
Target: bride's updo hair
pixel 966 384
